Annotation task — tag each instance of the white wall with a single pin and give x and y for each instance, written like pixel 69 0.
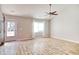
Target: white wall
pixel 66 24
pixel 47 29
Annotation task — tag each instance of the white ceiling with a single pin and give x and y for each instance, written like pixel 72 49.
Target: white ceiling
pixel 31 10
pixel 25 10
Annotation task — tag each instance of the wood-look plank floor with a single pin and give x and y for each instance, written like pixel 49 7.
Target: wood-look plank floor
pixel 41 46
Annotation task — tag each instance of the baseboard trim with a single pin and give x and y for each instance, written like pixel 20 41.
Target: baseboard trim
pixel 61 38
pixel 24 39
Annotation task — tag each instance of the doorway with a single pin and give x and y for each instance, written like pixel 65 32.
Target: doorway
pixel 10 30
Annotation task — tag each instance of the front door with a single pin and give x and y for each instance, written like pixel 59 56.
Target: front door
pixel 10 30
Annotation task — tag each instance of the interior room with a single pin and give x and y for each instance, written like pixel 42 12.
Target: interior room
pixel 39 29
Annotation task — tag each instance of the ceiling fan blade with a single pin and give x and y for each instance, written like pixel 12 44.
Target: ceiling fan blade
pixel 51 13
pixel 54 12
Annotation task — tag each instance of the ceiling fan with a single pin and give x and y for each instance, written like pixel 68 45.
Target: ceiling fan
pixel 51 12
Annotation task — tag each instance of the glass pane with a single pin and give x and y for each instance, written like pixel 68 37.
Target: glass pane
pixel 1 29
pixel 35 27
pixel 41 26
pixel 38 27
pixel 10 28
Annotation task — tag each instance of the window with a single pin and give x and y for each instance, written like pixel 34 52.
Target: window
pixel 1 28
pixel 10 28
pixel 38 27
